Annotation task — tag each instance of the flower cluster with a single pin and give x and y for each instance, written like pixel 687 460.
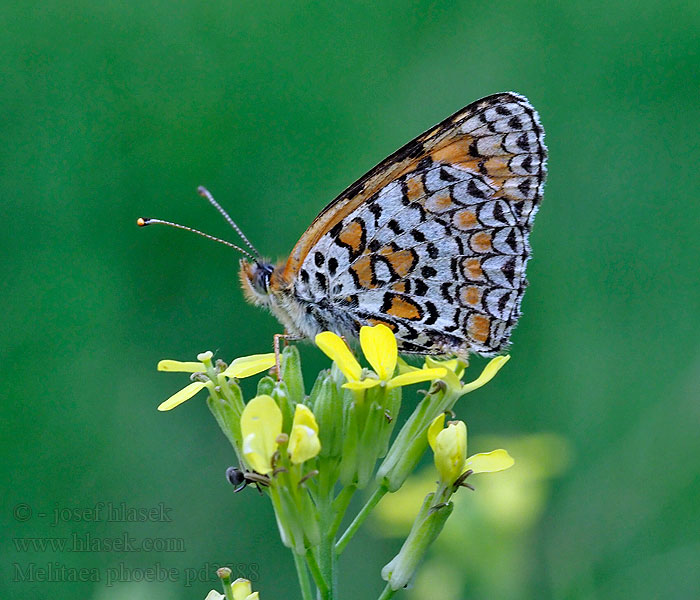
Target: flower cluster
pixel 310 453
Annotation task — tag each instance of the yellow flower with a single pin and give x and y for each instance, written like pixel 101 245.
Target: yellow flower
pixel 239 368
pixel 380 349
pixel 450 448
pixel 261 425
pixel 242 590
pixel 303 441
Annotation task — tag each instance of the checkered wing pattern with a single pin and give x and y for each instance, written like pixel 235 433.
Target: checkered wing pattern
pixel 434 241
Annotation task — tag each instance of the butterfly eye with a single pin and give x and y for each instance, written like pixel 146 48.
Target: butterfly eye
pixel 262 276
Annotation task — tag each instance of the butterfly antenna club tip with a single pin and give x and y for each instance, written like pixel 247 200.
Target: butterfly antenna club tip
pixel 141 222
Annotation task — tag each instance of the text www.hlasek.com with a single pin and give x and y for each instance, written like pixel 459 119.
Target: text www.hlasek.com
pixel 85 542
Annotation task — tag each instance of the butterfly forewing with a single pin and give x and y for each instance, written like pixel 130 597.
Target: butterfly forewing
pixel 434 240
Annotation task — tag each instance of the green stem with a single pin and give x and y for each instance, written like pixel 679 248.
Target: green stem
pixel 320 582
pixel 303 576
pixel 360 518
pixel 326 561
pixel 225 576
pixel 387 592
pixel 340 506
pixel 329 519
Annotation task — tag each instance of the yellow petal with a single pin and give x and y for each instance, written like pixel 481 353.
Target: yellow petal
pixel 214 595
pixel 303 444
pixel 451 451
pixel 365 384
pixel 176 366
pixel 304 416
pixel 487 374
pixel 337 350
pixel 489 462
pixel 416 377
pixel 380 349
pixel 241 589
pixel 253 596
pixel 404 367
pixel 435 427
pixel 261 423
pixel 455 365
pixel 184 394
pixel 246 366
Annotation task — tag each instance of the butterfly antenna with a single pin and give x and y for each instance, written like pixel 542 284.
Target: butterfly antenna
pixel 205 193
pixel 143 222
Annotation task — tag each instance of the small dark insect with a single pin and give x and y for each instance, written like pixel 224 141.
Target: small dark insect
pixel 240 479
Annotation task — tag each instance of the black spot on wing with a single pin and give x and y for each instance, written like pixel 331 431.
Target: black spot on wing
pixel 332 266
pixel 395 227
pixel 515 123
pixel 446 176
pixel 432 313
pixel 474 191
pixel 523 143
pixel 376 210
pixel 418 235
pixel 421 289
pixel 336 229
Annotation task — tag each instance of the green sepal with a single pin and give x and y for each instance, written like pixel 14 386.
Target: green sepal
pixel 265 386
pixel 228 418
pixel 370 444
pixel 348 463
pixel 292 375
pixel 392 407
pixel 232 393
pixel 281 396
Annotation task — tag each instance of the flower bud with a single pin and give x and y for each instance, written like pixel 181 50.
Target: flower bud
pixel 284 401
pixel 327 407
pixel 291 374
pixel 348 463
pixel 400 570
pixel 265 386
pixel 450 448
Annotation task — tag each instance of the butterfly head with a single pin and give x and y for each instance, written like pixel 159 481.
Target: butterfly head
pixel 256 280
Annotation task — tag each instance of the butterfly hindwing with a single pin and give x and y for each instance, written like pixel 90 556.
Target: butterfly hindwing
pixel 434 241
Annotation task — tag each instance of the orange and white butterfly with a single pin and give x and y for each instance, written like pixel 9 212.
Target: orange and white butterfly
pixel 433 242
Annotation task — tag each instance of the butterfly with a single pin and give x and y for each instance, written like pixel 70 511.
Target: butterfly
pixel 432 242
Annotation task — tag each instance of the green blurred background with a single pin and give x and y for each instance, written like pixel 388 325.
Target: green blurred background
pixel 115 110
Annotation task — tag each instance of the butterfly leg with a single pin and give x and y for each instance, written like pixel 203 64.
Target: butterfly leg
pixel 287 337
